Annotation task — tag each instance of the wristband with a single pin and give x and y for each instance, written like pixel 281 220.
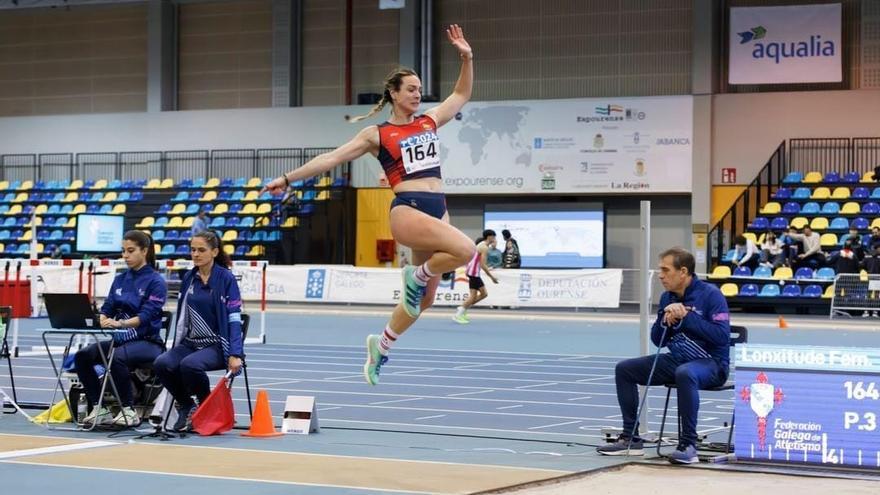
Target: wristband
pixel 286 180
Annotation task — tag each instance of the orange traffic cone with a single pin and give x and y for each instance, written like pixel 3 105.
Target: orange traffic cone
pixel 262 424
pixel 782 322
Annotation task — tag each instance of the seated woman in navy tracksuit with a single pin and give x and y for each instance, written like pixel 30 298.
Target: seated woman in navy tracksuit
pixel 209 321
pixel 133 308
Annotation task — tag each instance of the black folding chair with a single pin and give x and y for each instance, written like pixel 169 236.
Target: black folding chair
pixel 738 335
pixel 144 379
pixel 245 323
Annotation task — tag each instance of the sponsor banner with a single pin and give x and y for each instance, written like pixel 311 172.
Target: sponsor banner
pixel 590 145
pixel 793 44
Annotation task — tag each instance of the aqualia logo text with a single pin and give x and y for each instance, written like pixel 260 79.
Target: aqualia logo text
pixel 814 46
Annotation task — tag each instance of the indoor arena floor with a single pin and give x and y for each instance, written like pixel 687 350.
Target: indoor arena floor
pixel 512 398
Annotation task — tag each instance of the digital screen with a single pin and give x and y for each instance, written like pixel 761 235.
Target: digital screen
pixel 560 237
pixel 808 405
pixel 99 233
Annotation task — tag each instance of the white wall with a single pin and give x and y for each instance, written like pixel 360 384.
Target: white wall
pixel 747 128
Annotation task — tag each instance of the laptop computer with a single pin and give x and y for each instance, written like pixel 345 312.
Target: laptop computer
pixel 71 310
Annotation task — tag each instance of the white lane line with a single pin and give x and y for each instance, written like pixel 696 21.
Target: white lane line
pixel 595 379
pixel 328 408
pixel 471 366
pixel 472 393
pixel 538 385
pixel 272 384
pixel 430 417
pixel 56 449
pixel 395 400
pixel 508 407
pixel 580 398
pixel 551 426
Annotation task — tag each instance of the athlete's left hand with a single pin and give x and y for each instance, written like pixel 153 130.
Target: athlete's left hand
pixel 495 280
pixel 456 37
pixel 234 364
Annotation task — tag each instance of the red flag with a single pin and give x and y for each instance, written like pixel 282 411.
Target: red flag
pixel 216 414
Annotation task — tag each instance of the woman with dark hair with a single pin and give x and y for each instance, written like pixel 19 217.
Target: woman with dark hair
pixel 209 321
pixel 134 309
pixel 408 149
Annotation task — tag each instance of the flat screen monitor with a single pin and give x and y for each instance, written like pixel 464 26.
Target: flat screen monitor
pixel 552 236
pixel 99 233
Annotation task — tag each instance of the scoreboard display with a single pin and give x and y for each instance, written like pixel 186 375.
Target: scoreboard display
pixel 812 405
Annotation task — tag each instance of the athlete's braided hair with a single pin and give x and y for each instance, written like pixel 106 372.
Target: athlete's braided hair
pixel 392 82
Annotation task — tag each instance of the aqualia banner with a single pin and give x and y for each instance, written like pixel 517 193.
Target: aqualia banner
pixel 795 44
pixel 595 145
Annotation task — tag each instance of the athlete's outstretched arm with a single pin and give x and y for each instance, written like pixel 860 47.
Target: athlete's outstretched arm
pixel 361 144
pixel 453 104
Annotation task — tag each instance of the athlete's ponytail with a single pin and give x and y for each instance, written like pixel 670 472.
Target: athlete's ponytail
pixel 392 82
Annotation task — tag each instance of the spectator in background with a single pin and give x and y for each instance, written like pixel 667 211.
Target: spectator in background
pixel 200 224
pixel 812 253
pixel 511 257
pixel 874 240
pixel 746 253
pixel 772 251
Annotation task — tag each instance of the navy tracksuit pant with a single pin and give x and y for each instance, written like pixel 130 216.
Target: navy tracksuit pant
pixel 128 356
pixel 182 370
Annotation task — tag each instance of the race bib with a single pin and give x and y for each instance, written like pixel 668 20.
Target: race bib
pixel 420 152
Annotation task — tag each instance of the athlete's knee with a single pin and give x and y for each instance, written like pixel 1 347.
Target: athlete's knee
pixel 463 252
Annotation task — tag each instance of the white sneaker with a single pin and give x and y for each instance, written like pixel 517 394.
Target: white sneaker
pixel 98 417
pixel 127 417
pixel 865 314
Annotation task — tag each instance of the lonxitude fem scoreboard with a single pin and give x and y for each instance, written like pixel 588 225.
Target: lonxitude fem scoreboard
pixel 814 405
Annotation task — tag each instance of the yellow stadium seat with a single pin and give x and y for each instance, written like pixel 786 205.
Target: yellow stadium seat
pixel 256 251
pixel 812 178
pixel 212 183
pixel 118 209
pixel 325 182
pixel 209 196
pixel 26 185
pixel 20 198
pixel 720 271
pixel 863 276
pixel 220 209
pixel 875 223
pixel 828 240
pixel 229 249
pixel 71 223
pixel 850 208
pixel 750 236
pixel 100 184
pixel 75 184
pixel 783 273
pixel 41 209
pixel 166 184
pixel 80 208
pixel 840 193
pixel 230 235
pixel 178 209
pixel 153 184
pixel 40 247
pixel 4 185
pixel 251 196
pixel 71 197
pixel 26 236
pixel 157 248
pixel 771 208
pixel 262 220
pixel 819 223
pixel 109 197
pixel 798 222
pixel 146 222
pixel 2 247
pixel 175 222
pixel 264 208
pixel 729 290
pixel 290 222
pixel 821 193
pixel 829 292
pixel 323 196
pixel 39 221
pixel 255 182
pixel 14 210
pixel 761 238
pixel 867 177
pixel 248 209
pixel 188 221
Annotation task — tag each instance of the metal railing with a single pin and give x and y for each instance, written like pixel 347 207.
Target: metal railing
pixel 839 155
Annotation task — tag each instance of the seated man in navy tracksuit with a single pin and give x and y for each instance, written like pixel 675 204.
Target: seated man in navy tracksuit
pixel 695 319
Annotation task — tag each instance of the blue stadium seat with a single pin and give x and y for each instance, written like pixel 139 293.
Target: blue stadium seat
pixel 114 184
pixel 93 209
pixel 832 178
pixel 233 222
pixel 128 184
pixel 88 184
pixel 830 208
pixel 779 223
pixel 763 272
pixel 50 248
pixel 760 223
pixel 56 235
pixel 237 196
pixel 182 250
pixel 227 182
pixel 871 208
pixel 172 235
pixel 825 273
pixel 140 183
pixel 811 208
pixel 24 248
pixel 259 236
pixel 791 208
pixel 859 223
pixel 224 196
pixel 298 184
pixel 742 271
pixel 106 209
pixel 185 235
pixel 274 236
pixel 306 210
pixel 191 209
pixel 123 197
pixel 65 248
pixel 11 248
pixel 5 208
pixel 161 222
pixel 207 207
pixel 181 196
pixel 4 235
pixel 217 222
pixel 748 290
pixel 137 196
pixel 839 223
pixel 875 194
pixel 247 222
pixel 860 193
pixel 42 234
pixel 240 182
pixel 341 182
pixel 158 235
pixel 812 291
pixel 9 222
pixel 195 195
pixel 61 221
pixel 791 290
pixel 241 250
pixel 802 193
pixel 268 197
pixel 39 185
pixel 235 208
pixel 198 183
pixel 70 234
pixel 803 272
pixel 851 177
pixel 793 178
pixel 168 250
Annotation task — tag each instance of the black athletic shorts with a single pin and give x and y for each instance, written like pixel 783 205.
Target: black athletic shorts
pixel 475 283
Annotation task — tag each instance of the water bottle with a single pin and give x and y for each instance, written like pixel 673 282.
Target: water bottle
pixel 82 408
